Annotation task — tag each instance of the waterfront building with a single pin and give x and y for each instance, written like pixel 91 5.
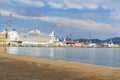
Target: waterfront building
pixel 92 45
pixel 78 44
pixel 13 36
pixel 110 45
pixel 3 38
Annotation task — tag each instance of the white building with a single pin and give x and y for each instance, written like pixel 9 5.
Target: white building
pixel 13 36
pixel 92 45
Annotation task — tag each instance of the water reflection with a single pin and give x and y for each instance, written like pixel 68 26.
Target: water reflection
pixel 12 50
pixel 98 56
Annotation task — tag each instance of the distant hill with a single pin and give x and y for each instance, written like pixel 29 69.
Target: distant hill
pixel 87 40
pixel 115 40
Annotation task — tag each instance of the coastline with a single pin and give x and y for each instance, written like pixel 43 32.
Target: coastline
pixel 14 67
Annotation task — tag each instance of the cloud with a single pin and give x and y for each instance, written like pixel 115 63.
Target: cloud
pixel 91 6
pixel 80 4
pixel 7 13
pixel 115 14
pixel 84 4
pixel 77 23
pixel 39 3
pixel 85 24
pixel 70 4
pixel 32 3
pixel 55 4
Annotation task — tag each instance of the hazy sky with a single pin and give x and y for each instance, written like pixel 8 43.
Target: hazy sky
pixel 101 18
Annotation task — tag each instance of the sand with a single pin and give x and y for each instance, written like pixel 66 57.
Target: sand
pixel 15 67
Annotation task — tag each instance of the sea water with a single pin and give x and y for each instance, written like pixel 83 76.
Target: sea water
pixel 98 56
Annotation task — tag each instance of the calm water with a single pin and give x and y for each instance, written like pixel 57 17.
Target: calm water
pixel 98 56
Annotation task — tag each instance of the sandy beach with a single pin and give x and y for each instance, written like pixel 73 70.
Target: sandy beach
pixel 14 67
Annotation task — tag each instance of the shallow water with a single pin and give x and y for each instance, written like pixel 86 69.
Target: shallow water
pixel 98 56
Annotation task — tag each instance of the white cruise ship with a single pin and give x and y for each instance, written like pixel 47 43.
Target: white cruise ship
pixel 36 37
pixel 32 37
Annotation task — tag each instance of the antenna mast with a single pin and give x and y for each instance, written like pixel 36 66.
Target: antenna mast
pixel 9 22
pixel 70 36
pixel 89 38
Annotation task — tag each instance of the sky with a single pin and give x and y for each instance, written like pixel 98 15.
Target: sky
pixel 99 18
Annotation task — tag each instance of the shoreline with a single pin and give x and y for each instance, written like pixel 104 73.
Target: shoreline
pixel 15 67
pixel 67 46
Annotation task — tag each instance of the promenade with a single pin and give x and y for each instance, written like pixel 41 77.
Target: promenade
pixel 14 67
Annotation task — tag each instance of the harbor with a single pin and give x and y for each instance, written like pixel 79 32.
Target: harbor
pixel 59 40
pixel 35 38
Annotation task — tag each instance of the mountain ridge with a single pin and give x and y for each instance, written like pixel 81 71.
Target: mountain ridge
pixel 115 40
